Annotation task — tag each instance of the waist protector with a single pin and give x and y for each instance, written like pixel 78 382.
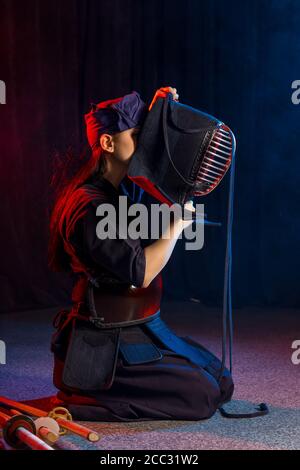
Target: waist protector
pixel 108 324
pixel 121 305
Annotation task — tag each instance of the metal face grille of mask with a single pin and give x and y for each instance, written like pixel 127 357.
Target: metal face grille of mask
pixel 216 161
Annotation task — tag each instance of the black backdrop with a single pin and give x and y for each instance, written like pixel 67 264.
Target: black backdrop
pixel 233 59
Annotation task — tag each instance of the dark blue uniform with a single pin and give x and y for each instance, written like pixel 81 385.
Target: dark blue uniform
pixel 182 383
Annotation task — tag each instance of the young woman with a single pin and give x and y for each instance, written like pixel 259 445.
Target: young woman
pixel 155 374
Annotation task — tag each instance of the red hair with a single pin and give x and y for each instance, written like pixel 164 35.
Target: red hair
pixel 64 187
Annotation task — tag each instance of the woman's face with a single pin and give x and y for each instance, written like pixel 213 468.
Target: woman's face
pixel 125 143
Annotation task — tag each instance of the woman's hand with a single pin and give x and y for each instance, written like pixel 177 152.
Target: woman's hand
pixel 185 219
pixel 188 210
pixel 162 93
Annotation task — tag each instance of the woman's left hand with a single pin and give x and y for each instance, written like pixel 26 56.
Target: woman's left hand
pixel 162 93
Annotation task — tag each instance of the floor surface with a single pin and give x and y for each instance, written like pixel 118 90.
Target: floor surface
pixel 262 366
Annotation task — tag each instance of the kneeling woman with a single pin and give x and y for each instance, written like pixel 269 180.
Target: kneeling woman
pixel 115 359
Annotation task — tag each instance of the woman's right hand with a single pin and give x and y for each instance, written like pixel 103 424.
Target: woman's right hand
pixel 162 93
pixel 188 210
pixel 186 219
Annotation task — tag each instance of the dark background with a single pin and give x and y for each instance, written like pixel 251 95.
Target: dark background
pixel 234 59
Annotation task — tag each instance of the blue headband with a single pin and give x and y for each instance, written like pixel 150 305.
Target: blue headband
pixel 115 115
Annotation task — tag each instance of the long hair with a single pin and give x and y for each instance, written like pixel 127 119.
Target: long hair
pixel 64 185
